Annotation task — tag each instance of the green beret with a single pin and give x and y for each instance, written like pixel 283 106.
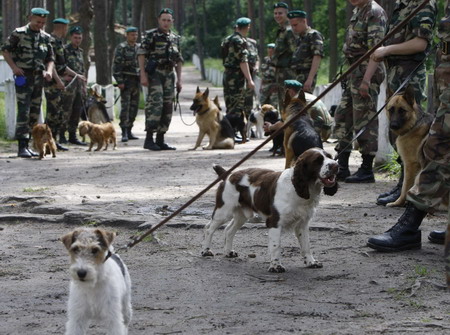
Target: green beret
pixel 295 84
pixel 75 30
pixel 131 30
pixel 281 5
pixel 165 11
pixel 296 13
pixel 61 20
pixel 243 21
pixel 42 12
pixel 271 45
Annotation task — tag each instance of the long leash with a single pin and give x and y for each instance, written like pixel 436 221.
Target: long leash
pixel 137 239
pixel 177 105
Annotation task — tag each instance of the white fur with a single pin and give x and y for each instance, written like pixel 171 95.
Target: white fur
pixel 258 125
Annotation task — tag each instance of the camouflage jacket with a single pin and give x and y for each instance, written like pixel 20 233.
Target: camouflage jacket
pixel 285 45
pixel 253 56
pixel 367 28
pixel 30 50
pixel 74 58
pixel 58 48
pixel 236 51
pixel 444 25
pixel 267 70
pixel 162 47
pixel 309 44
pixel 420 26
pixel 125 61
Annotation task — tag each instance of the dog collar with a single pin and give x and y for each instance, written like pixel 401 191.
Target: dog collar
pixel 206 111
pixel 107 256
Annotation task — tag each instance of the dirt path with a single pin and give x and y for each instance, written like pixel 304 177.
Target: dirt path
pixel 177 292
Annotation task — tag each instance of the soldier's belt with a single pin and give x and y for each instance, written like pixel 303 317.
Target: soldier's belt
pixel 445 48
pixel 32 72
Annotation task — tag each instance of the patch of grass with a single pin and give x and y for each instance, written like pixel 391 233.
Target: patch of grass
pixel 421 271
pixel 91 223
pixel 392 167
pixel 34 189
pixel 215 63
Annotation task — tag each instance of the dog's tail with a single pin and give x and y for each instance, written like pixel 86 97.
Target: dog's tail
pixel 221 172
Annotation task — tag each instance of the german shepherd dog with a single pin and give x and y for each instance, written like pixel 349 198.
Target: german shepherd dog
pixel 95 108
pixel 410 124
pixel 300 135
pixel 211 122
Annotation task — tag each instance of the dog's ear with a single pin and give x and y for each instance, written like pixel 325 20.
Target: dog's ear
pixel 287 99
pixel 105 238
pixel 69 239
pixel 206 93
pixel 301 97
pixel 409 95
pixel 331 190
pixel 300 178
pixel 198 90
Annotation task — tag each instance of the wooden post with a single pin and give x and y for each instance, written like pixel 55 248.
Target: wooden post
pixel 10 108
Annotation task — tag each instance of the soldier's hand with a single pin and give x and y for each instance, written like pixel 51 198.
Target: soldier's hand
pixel 251 85
pixel 18 71
pixel 83 78
pixel 179 86
pixel 379 54
pixel 364 89
pixel 48 76
pixel 307 86
pixel 121 86
pixel 144 80
pixel 60 85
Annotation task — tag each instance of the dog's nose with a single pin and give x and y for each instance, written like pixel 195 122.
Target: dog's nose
pixel 81 274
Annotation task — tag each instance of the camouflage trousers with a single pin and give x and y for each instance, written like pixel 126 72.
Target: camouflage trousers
pixel 355 111
pixel 72 103
pixel 234 91
pixel 268 94
pixel 397 74
pixel 129 100
pixel 29 99
pixel 302 76
pixel 282 74
pixel 159 103
pixel 55 114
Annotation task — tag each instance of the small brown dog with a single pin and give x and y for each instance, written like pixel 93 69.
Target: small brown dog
pixel 98 133
pixel 43 141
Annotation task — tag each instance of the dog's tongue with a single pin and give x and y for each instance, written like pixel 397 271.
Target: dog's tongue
pixel 329 181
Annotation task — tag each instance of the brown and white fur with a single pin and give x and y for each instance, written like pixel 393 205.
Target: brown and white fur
pixel 43 141
pixel 287 200
pixel 100 134
pixel 211 122
pixel 100 286
pixel 411 125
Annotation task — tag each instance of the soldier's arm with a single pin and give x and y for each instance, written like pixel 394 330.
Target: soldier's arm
pixel 143 74
pixel 246 71
pixel 117 68
pixel 312 73
pixel 15 69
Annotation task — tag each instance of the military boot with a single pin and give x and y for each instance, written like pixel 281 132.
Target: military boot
pixel 131 135
pixel 23 152
pixel 392 195
pixel 437 236
pixel 58 145
pixel 124 134
pixel 149 143
pixel 343 172
pixel 31 151
pixel 160 142
pixel 404 235
pixel 62 137
pixel 364 173
pixel 74 140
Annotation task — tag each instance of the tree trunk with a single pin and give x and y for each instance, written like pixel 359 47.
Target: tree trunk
pixel 51 8
pixel 348 13
pixel 86 14
pixel 238 9
pixel 199 43
pixel 101 42
pixel 136 14
pixel 150 14
pixel 308 8
pixel 11 20
pixel 251 16
pixel 262 29
pixel 111 33
pixel 290 4
pixel 76 6
pixel 124 13
pixel 61 8
pixel 333 39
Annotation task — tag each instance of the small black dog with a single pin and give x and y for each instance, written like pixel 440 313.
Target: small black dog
pixel 238 123
pixel 273 117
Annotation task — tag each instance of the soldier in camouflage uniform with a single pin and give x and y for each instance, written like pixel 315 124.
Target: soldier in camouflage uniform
pixel 268 93
pixel 306 59
pixel 75 93
pixel 235 60
pixel 29 53
pixel 403 53
pixel 431 186
pixel 126 73
pixel 253 65
pixel 285 46
pixel 158 55
pixel 359 100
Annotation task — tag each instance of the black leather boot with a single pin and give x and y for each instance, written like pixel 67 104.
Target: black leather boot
pixel 149 143
pixel 31 151
pixel 62 137
pixel 124 134
pixel 404 235
pixel 392 195
pixel 160 142
pixel 23 152
pixel 364 173
pixel 437 237
pixel 343 172
pixel 131 135
pixel 74 140
pixel 59 147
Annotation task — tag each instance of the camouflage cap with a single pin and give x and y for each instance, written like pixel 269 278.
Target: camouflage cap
pixel 243 21
pixel 281 5
pixel 165 11
pixel 61 20
pixel 75 30
pixel 271 45
pixel 292 83
pixel 42 12
pixel 131 30
pixel 296 13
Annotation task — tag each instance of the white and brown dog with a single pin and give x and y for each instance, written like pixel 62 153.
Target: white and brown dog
pixel 286 200
pixel 100 287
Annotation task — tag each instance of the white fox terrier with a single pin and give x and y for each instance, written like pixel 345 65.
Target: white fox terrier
pixel 100 287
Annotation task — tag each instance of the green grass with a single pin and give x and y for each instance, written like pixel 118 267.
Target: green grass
pixel 34 190
pixel 215 63
pixel 392 167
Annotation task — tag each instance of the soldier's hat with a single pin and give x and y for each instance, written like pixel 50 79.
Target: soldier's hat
pixel 243 21
pixel 42 12
pixel 165 11
pixel 281 5
pixel 292 83
pixel 271 45
pixel 61 20
pixel 296 13
pixel 75 30
pixel 131 30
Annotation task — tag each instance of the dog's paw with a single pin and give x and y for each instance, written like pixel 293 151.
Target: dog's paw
pixel 232 254
pixel 277 269
pixel 314 265
pixel 396 204
pixel 207 253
